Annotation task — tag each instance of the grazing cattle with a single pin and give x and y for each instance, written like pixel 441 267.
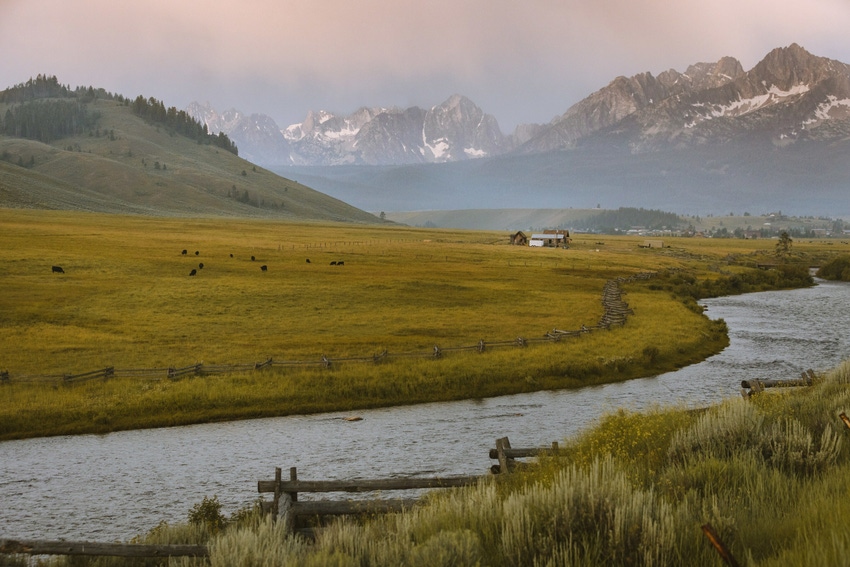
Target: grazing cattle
pixel 193 272
pixel 340 263
pixel 184 252
pixel 196 252
pixel 264 267
pixel 333 263
pixel 201 266
pixel 252 258
pixel 231 255
pixel 57 270
pixel 308 260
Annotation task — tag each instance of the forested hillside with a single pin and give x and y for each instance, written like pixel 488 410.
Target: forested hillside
pixel 89 149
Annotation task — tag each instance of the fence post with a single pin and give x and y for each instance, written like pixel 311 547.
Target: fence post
pixel 276 501
pixel 718 545
pixel 502 444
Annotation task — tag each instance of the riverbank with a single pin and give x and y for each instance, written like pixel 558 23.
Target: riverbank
pixel 660 337
pixel 125 300
pixel 771 337
pixel 660 487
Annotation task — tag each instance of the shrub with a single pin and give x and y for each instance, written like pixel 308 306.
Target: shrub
pixel 208 513
pixel 836 269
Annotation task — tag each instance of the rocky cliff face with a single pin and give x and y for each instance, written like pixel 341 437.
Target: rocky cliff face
pixel 455 130
pixel 790 95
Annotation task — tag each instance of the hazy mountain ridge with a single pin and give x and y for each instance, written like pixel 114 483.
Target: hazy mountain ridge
pixel 789 95
pixel 710 140
pixel 455 130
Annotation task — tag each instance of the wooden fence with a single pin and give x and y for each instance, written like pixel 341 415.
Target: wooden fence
pixel 305 516
pixel 755 385
pixel 615 312
pixel 39 547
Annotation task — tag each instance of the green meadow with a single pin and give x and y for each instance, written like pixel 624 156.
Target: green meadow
pixel 126 300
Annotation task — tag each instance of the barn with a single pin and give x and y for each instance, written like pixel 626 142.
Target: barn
pixel 519 239
pixel 548 240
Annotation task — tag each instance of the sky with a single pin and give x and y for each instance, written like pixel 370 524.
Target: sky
pixel 523 61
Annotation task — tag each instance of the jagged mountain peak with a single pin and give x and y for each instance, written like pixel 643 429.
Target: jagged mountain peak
pixel 709 101
pixel 788 66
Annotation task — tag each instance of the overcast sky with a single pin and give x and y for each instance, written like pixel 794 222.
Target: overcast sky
pixel 520 60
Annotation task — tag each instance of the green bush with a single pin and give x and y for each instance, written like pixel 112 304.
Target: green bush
pixel 836 269
pixel 208 513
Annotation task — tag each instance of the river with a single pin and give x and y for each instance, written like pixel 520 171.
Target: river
pixel 116 486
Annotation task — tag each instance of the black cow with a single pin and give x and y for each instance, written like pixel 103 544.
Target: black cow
pixel 333 263
pixel 185 252
pixel 340 263
pixel 264 267
pixel 231 255
pixel 308 260
pixel 201 266
pixel 196 252
pixel 252 258
pixel 193 272
pixel 57 270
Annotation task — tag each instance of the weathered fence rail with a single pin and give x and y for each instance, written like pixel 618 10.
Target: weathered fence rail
pixel 298 513
pixel 756 385
pixel 39 547
pixel 615 312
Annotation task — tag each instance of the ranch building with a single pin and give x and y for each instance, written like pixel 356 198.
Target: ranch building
pixel 548 240
pixel 519 239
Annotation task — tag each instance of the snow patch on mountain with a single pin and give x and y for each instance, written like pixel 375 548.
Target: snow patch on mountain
pixel 743 106
pixel 832 108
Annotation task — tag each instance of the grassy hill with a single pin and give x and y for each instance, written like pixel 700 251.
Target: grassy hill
pixel 126 165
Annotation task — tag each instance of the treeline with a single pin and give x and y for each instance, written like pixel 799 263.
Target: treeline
pixel 48 120
pixel 626 218
pixel 180 122
pixel 45 110
pixel 782 276
pixel 44 86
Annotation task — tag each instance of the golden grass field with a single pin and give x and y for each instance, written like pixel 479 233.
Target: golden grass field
pixel 126 300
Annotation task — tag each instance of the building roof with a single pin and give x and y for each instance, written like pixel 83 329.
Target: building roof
pixel 547 236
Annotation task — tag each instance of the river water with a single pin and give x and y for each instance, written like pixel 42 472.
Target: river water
pixel 116 486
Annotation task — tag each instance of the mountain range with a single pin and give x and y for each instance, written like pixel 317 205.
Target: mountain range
pixel 712 138
pixel 789 95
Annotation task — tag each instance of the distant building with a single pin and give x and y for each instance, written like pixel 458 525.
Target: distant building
pixel 519 239
pixel 549 240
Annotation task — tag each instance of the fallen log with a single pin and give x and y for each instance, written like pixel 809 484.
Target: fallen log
pixel 38 547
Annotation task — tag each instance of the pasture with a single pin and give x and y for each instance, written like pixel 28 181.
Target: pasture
pixel 126 299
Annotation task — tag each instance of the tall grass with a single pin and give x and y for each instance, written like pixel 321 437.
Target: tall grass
pixel 613 502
